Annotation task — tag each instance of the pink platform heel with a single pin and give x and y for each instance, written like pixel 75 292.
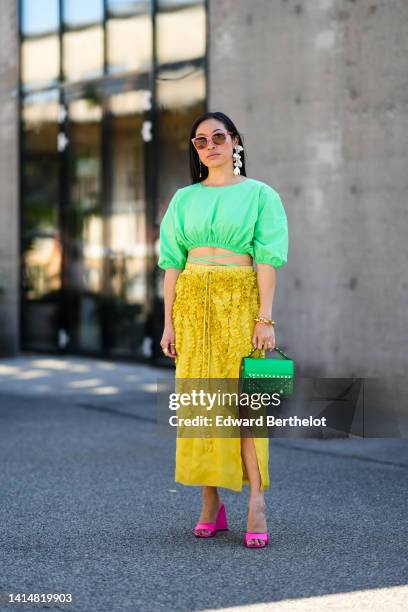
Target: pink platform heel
pixel 249 535
pixel 219 525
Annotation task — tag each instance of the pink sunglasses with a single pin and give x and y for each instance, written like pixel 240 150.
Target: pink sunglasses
pixel 219 138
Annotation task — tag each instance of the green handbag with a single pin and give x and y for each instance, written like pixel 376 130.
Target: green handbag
pixel 261 375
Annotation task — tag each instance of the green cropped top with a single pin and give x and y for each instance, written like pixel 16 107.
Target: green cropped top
pixel 246 217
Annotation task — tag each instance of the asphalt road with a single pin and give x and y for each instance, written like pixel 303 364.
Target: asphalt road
pixel 89 506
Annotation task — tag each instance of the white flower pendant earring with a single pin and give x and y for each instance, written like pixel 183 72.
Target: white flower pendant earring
pixel 237 159
pixel 200 167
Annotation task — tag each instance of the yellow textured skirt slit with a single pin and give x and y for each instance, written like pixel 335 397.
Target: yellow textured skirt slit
pixel 213 318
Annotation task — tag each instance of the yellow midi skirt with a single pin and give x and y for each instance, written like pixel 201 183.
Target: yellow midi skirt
pixel 213 318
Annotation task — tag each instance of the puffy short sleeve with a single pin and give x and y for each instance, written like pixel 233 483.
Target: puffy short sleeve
pixel 271 230
pixel 172 253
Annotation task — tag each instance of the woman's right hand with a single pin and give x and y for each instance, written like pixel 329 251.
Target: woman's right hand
pixel 168 342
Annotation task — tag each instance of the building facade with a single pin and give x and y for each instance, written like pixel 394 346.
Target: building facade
pixel 96 101
pixel 107 91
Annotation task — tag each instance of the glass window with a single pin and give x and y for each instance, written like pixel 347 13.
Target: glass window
pixel 128 7
pixel 129 40
pixel 126 225
pixel 39 18
pixel 83 39
pixel 40 62
pixel 181 31
pixel 83 54
pixel 41 251
pixel 85 225
pixel 86 232
pixel 40 178
pixel 80 12
pixel 40 45
pixel 169 5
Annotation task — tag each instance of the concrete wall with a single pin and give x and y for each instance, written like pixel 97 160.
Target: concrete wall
pixel 319 90
pixel 9 217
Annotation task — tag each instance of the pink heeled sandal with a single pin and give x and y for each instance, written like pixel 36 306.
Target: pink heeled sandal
pixel 249 535
pixel 219 525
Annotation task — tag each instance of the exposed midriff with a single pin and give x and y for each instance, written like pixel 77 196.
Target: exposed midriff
pixel 241 259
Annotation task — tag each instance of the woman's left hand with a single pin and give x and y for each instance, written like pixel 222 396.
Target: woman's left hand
pixel 264 337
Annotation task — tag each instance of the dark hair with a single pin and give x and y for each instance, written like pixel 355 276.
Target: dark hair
pixel 194 158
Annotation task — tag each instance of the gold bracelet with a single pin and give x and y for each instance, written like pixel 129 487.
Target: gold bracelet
pixel 264 320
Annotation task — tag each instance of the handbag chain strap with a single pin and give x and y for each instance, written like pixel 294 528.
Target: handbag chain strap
pixel 274 349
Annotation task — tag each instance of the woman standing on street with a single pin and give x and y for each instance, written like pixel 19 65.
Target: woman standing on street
pixel 217 308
